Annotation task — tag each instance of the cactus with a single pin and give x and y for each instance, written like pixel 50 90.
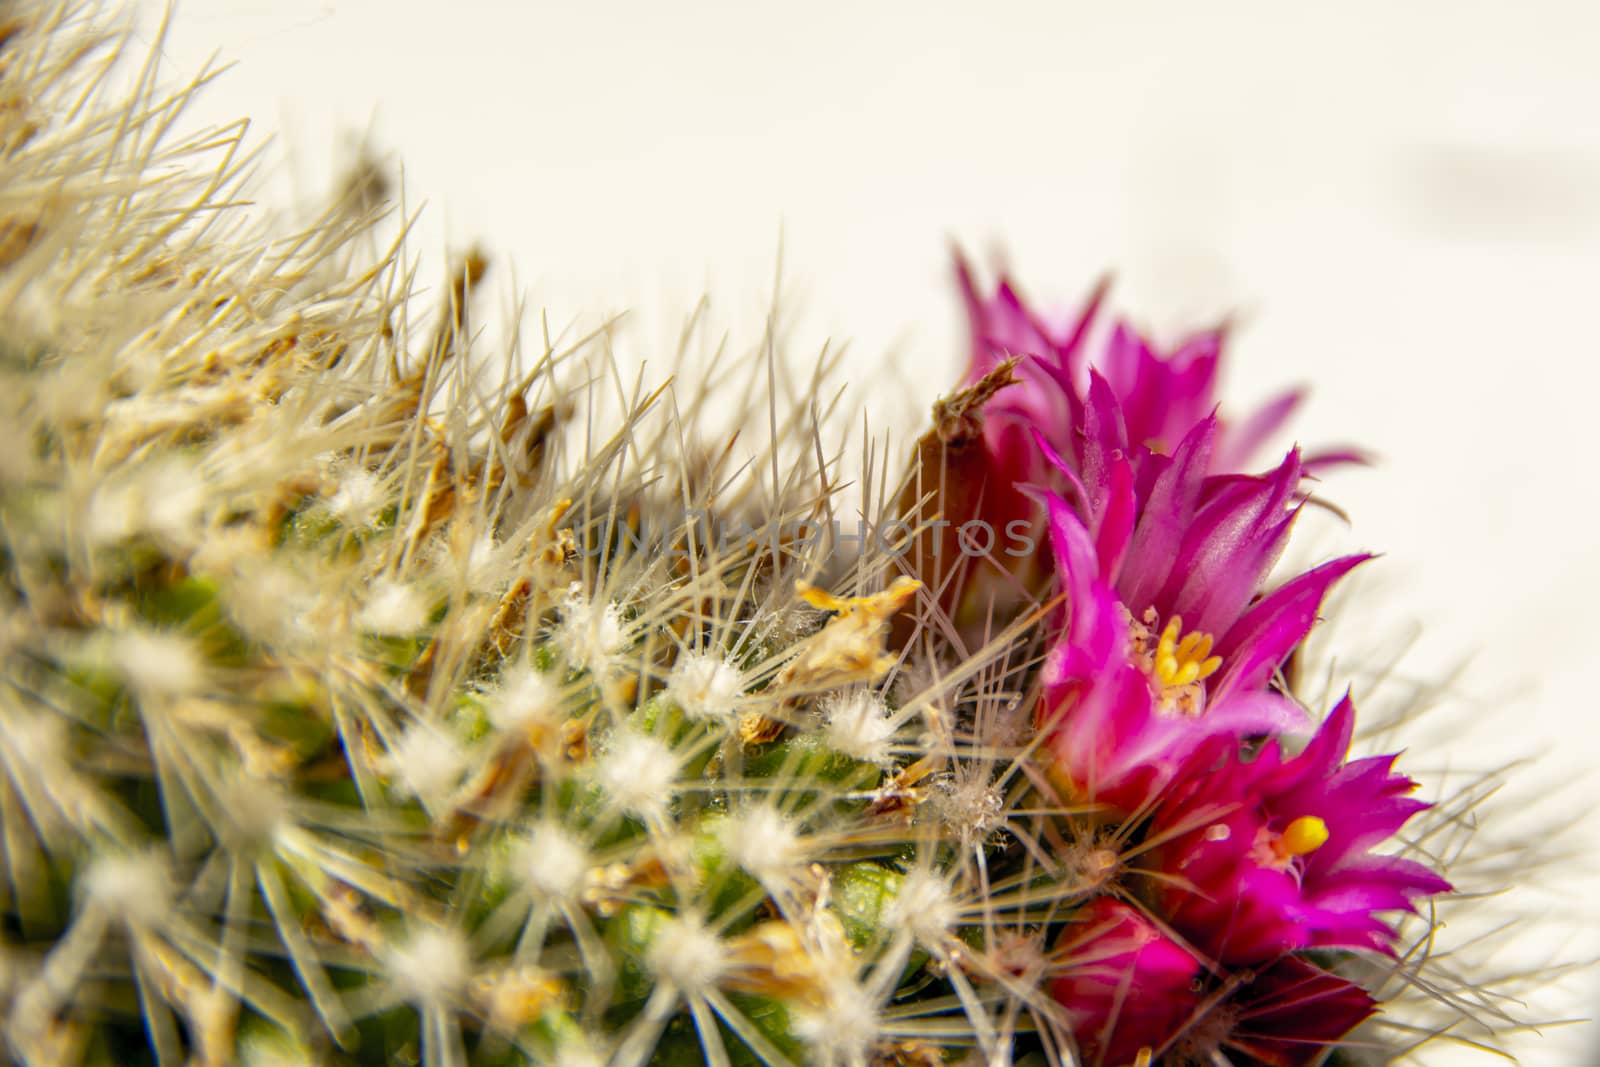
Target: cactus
pixel 369 700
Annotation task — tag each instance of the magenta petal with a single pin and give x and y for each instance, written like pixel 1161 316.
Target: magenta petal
pixel 1073 548
pixel 1056 460
pixel 1248 714
pixel 1305 776
pixel 1017 312
pixel 1172 394
pixel 1293 1011
pixel 1102 438
pixel 1072 343
pixel 1116 514
pixel 1093 629
pixel 1320 461
pixel 1232 544
pixel 1360 899
pixel 1408 877
pixel 1121 360
pixel 1255 646
pixel 1167 513
pixel 984 356
pixel 1243 439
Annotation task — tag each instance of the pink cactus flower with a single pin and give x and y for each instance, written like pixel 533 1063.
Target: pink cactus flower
pixel 1274 854
pixel 1125 985
pixel 1285 1014
pixel 1130 695
pixel 1130 438
pixel 1088 398
pixel 1133 996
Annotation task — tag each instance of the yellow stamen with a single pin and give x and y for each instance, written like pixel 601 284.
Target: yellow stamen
pixel 1305 835
pixel 1180 663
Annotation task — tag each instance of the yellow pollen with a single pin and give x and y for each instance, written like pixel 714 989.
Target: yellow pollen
pixel 1305 835
pixel 1180 663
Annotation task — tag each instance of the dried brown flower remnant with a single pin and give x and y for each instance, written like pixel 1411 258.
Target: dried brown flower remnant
pixel 850 648
pixel 947 487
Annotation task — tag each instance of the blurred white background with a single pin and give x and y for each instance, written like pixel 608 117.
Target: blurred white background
pixel 1401 202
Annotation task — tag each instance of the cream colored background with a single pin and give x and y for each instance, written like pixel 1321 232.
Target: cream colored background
pixel 1401 200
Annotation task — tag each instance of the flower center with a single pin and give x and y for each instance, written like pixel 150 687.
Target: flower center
pixel 1179 663
pixel 1301 837
pixel 1176 665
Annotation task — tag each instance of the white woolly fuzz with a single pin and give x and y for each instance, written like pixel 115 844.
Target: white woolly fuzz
pixel 174 494
pixel 706 687
pixel 132 888
pixel 158 664
pixel 427 763
pixel 394 609
pixel 687 954
pixel 862 727
pixel 554 863
pixel 525 698
pixel 432 967
pixel 841 1026
pixel 112 514
pixel 763 841
pixel 272 604
pixel 637 772
pixel 73 392
pixel 592 633
pixel 972 807
pixel 359 499
pixel 924 907
pixel 163 499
